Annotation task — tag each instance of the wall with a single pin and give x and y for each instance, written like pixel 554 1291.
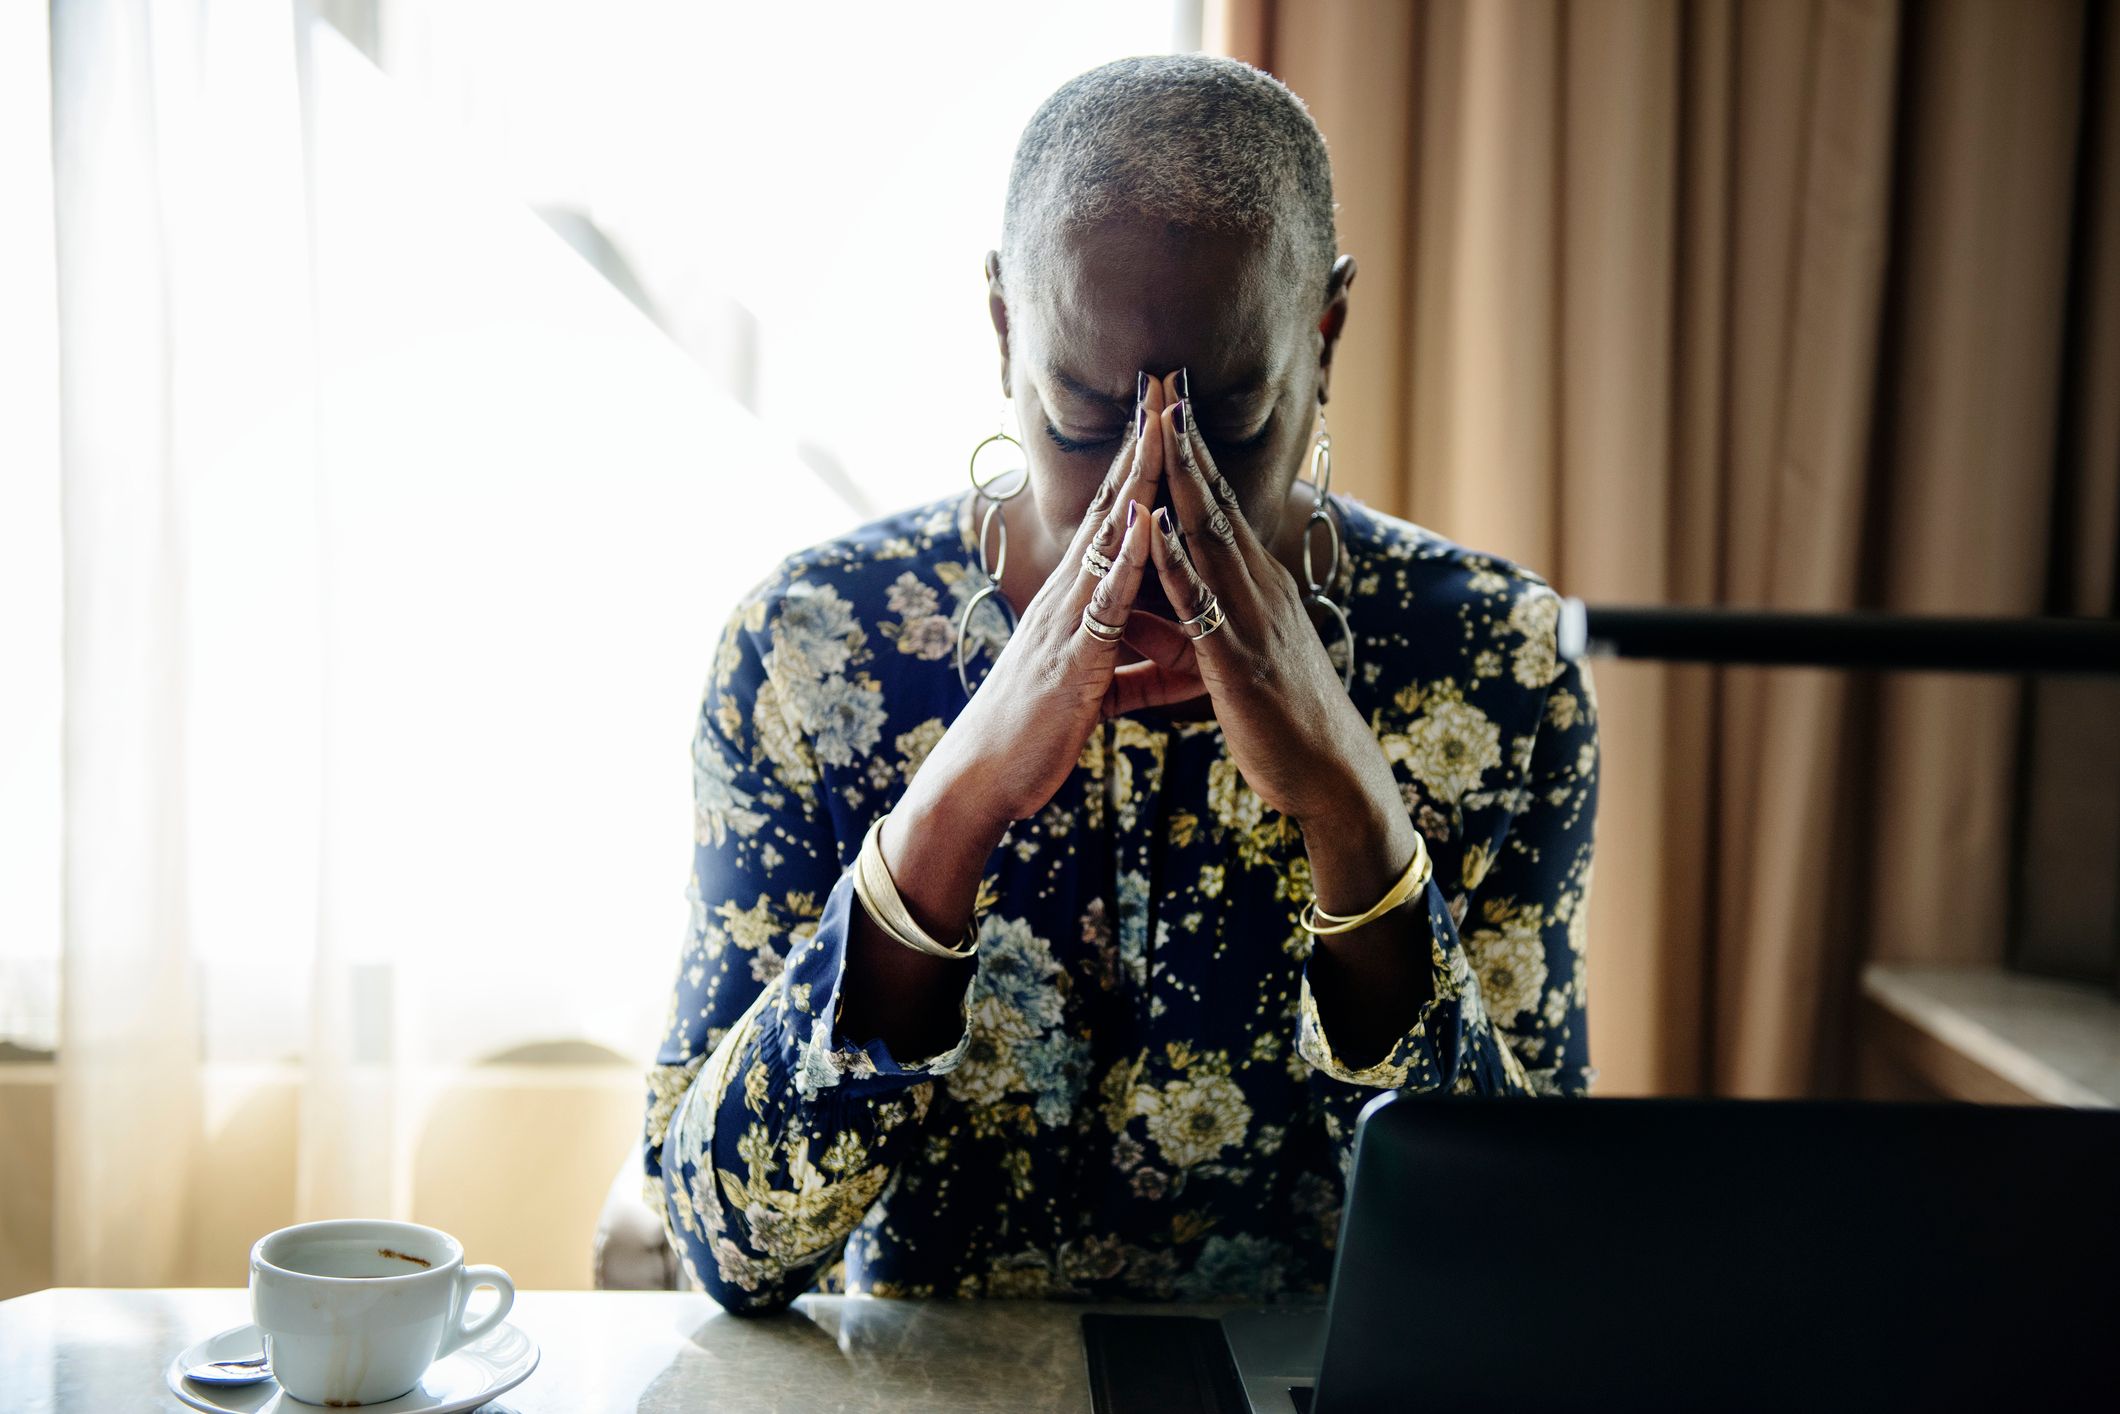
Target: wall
pixel 512 1159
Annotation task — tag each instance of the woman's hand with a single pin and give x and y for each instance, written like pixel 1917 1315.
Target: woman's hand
pixel 1016 743
pixel 1010 750
pixel 1291 728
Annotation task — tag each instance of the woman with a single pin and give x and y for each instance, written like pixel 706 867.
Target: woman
pixel 1054 951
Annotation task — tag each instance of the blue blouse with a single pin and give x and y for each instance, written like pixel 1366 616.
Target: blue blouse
pixel 1144 1102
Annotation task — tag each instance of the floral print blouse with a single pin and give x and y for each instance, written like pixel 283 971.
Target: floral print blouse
pixel 1144 1103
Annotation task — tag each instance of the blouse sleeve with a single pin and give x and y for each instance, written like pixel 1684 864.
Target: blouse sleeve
pixel 1508 1012
pixel 769 1134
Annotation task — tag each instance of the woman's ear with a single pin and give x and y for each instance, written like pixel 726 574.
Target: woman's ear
pixel 997 310
pixel 1333 320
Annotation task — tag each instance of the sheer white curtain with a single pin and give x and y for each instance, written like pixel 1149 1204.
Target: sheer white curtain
pixel 128 123
pixel 395 544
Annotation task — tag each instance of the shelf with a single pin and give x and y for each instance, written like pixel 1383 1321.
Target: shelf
pixel 1986 1034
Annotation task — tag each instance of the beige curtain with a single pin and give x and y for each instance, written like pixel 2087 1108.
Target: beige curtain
pixel 1809 304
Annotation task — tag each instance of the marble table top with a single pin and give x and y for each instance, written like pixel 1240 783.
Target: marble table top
pixel 77 1349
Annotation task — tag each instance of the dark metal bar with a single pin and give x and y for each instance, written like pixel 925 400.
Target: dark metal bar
pixel 1861 642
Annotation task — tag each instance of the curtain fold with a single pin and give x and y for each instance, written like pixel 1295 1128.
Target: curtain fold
pixel 1779 305
pixel 189 540
pixel 128 990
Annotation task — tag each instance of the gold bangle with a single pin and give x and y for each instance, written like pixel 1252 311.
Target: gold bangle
pixel 1318 923
pixel 879 897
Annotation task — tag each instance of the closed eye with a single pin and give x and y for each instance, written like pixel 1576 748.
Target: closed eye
pixel 1068 444
pixel 1249 444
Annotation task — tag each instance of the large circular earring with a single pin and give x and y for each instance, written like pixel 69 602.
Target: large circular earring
pixel 995 489
pixel 1314 588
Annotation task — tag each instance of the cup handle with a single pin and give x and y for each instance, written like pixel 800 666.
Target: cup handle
pixel 468 1280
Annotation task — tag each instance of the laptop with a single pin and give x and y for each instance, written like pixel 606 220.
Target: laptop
pixel 1668 1254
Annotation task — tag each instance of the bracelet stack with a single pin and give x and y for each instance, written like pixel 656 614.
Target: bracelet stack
pixel 878 893
pixel 1317 922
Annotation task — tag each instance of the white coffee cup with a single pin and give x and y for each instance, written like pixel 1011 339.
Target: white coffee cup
pixel 354 1310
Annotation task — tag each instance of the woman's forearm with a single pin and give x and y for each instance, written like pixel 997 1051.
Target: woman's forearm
pixel 1370 983
pixel 936 842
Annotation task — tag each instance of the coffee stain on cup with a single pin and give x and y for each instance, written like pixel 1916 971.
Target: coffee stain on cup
pixel 395 1255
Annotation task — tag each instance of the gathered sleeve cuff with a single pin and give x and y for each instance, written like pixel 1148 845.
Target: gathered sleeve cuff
pixel 824 1058
pixel 1450 1046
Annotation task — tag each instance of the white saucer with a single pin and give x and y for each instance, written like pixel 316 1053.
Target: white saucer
pixel 496 1362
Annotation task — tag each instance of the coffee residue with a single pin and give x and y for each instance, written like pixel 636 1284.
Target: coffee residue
pixel 404 1256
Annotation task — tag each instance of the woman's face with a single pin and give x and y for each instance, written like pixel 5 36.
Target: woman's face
pixel 1125 297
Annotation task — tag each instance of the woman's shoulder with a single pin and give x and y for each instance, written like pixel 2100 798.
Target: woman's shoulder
pixel 862 565
pixel 869 609
pixel 1431 561
pixel 1427 607
pixel 888 545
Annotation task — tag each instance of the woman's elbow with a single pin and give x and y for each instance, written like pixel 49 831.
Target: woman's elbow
pixel 738 1302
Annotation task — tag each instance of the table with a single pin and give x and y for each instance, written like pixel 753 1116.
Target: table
pixel 73 1350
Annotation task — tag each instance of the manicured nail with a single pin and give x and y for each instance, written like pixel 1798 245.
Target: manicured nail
pixel 1184 383
pixel 1131 506
pixel 1140 387
pixel 1185 415
pixel 1163 519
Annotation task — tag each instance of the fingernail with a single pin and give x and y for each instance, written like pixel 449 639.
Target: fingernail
pixel 1140 387
pixel 1184 383
pixel 1163 519
pixel 1131 506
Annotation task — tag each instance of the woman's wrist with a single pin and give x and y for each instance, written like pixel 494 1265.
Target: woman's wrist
pixel 1359 852
pixel 936 843
pixel 1369 982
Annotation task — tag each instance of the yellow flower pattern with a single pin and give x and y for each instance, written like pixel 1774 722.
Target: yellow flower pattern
pixel 1144 1102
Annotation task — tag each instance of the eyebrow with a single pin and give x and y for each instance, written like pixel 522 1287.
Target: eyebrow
pixel 1248 389
pixel 1089 394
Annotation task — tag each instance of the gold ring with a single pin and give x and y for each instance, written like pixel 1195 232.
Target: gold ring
pixel 1099 629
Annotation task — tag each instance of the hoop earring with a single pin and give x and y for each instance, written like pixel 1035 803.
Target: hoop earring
pixel 995 490
pixel 1314 589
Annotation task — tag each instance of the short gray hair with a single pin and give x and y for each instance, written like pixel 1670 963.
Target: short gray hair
pixel 1192 140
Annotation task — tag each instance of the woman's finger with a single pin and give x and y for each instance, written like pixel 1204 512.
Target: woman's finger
pixel 1103 545
pixel 1207 527
pixel 1135 473
pixel 1138 686
pixel 1181 391
pixel 1139 490
pixel 1188 593
pixel 1151 464
pixel 1097 516
pixel 1162 643
pixel 1112 599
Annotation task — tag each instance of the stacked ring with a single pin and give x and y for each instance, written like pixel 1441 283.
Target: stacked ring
pixel 1098 629
pixel 1207 620
pixel 1096 563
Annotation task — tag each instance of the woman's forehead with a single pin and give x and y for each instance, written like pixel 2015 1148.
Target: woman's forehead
pixel 1108 301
